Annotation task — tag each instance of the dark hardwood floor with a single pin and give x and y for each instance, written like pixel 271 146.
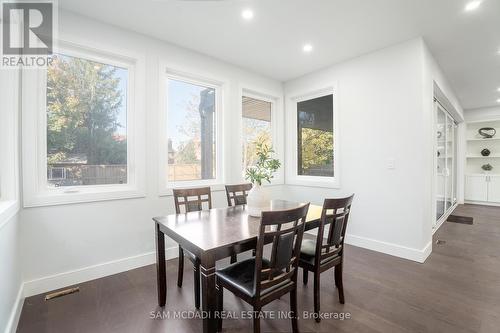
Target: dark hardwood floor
pixel 456 290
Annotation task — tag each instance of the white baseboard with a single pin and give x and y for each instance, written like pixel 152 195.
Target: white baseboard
pixel 482 203
pixel 390 248
pixel 16 311
pixel 61 280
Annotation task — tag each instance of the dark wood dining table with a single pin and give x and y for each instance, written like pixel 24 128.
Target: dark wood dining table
pixel 212 235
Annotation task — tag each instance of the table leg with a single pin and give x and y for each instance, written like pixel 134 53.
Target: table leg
pixel 209 294
pixel 161 270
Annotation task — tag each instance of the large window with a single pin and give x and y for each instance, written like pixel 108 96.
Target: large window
pixel 313 144
pixel 315 137
pixel 256 127
pixel 82 139
pixel 192 111
pixel 86 122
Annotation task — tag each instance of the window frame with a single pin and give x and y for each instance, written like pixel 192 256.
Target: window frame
pixel 277 129
pixel 293 177
pixel 166 73
pixel 35 185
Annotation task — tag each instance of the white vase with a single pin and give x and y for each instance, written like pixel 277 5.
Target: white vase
pixel 257 200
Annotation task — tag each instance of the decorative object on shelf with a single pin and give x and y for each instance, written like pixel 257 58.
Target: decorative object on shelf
pixel 439 134
pixel 485 152
pixel 487 132
pixel 264 169
pixel 487 167
pixel 439 153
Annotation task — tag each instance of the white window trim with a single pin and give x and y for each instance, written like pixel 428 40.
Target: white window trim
pixel 292 176
pixel 35 189
pixel 166 72
pixel 277 129
pixel 9 174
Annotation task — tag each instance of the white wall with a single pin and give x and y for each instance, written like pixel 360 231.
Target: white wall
pixel 10 274
pixel 492 113
pixel 71 243
pixel 10 258
pixel 435 82
pixel 380 100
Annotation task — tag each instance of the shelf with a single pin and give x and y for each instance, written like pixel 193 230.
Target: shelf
pixel 478 139
pixel 491 156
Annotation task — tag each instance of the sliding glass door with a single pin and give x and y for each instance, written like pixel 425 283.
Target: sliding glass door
pixel 446 152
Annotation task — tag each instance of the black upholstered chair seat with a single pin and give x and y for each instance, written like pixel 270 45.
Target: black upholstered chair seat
pixel 308 252
pixel 240 275
pixel 308 248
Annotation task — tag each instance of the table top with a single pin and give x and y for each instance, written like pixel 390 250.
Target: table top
pixel 220 227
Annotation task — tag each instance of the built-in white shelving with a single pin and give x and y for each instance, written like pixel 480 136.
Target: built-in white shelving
pixel 482 186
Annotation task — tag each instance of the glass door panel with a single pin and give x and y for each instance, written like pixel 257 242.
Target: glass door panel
pixel 441 162
pixel 450 145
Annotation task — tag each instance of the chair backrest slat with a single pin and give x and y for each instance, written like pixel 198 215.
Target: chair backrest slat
pixel 335 214
pixel 285 230
pixel 237 194
pixel 192 199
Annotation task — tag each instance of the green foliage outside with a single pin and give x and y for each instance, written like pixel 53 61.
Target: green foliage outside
pixel 255 131
pixel 83 103
pixel 317 148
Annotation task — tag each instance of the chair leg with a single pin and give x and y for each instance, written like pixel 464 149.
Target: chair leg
pixel 256 320
pixel 294 311
pixel 196 269
pixel 234 258
pixel 339 283
pixel 180 267
pixel 220 304
pixel 317 276
pixel 305 276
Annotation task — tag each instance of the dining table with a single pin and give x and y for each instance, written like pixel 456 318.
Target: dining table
pixel 212 235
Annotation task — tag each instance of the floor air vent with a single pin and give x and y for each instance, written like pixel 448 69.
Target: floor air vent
pixel 62 293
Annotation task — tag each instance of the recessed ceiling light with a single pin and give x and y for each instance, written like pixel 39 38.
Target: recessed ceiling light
pixel 307 48
pixel 498 100
pixel 247 14
pixel 473 5
pixel 498 89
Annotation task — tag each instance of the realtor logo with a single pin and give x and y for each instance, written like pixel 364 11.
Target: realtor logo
pixel 27 33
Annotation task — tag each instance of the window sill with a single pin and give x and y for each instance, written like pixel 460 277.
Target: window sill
pixel 7 210
pixel 82 195
pixel 310 181
pixel 213 187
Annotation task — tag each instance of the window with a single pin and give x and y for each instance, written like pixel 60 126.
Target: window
pixel 256 127
pixel 315 137
pixel 86 122
pixel 192 118
pixel 313 150
pixel 83 140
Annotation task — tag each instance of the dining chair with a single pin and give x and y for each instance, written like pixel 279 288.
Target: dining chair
pixel 237 195
pixel 192 200
pixel 320 254
pixel 259 281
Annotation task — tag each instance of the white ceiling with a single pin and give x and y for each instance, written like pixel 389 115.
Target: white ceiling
pixel 465 45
